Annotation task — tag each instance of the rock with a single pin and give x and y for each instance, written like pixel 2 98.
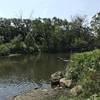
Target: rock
pixel 65 83
pixel 55 77
pixel 44 90
pixel 58 88
pixel 76 90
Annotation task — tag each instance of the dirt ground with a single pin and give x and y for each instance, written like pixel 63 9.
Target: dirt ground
pixel 39 94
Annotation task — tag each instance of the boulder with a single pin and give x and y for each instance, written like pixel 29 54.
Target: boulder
pixel 55 78
pixel 76 90
pixel 65 83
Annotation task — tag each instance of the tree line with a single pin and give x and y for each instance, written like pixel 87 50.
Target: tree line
pixel 28 36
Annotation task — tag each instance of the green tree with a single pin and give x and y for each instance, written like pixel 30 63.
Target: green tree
pixel 95 24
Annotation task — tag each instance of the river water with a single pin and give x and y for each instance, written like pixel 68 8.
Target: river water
pixel 23 73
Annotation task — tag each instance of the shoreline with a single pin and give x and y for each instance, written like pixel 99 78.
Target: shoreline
pixel 39 94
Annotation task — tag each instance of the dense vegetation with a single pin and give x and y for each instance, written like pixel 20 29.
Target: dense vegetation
pixel 84 69
pixel 48 35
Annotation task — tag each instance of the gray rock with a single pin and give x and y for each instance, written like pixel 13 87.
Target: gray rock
pixel 65 83
pixel 76 90
pixel 55 78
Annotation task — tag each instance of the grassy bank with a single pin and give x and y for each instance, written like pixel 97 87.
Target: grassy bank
pixel 84 70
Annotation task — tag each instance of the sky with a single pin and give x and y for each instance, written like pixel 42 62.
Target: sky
pixel 48 8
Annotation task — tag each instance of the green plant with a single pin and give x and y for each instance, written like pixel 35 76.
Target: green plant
pixel 84 69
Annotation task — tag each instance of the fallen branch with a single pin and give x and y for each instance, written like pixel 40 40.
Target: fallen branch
pixel 65 60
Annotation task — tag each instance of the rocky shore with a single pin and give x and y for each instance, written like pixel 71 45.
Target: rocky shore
pixel 59 87
pixel 43 94
pixel 39 94
pixel 80 82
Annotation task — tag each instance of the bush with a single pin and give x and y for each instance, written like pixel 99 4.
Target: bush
pixel 5 49
pixel 84 69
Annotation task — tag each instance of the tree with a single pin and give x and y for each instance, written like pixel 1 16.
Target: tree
pixel 95 23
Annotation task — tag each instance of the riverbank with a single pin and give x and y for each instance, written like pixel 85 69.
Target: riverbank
pixel 84 71
pixel 23 73
pixel 39 94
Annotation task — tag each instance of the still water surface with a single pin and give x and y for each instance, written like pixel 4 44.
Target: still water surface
pixel 22 73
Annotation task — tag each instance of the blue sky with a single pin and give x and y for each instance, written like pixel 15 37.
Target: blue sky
pixel 48 8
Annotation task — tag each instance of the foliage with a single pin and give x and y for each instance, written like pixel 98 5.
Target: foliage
pixel 49 35
pixel 5 49
pixel 92 97
pixel 95 24
pixel 84 69
pixel 31 45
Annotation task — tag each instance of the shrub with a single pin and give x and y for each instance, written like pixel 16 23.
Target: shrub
pixel 84 69
pixel 5 49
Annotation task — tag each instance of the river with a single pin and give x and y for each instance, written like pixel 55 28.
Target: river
pixel 22 73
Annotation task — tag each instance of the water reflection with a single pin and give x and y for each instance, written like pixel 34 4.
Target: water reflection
pixel 30 67
pixel 21 73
